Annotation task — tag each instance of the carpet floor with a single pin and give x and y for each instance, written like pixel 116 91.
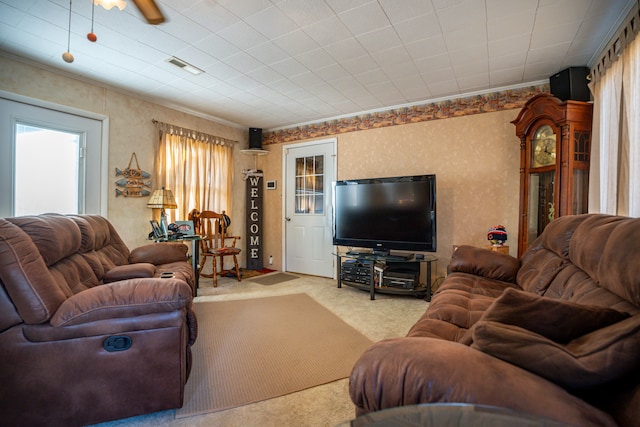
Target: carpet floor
pixel 255 349
pixel 326 405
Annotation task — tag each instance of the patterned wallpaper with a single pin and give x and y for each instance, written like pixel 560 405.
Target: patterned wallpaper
pixel 476 158
pixel 490 102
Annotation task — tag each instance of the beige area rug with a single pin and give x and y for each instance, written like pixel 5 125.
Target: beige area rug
pixel 256 349
pixel 274 279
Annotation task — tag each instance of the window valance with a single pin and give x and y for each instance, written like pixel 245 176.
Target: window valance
pixel 623 37
pixel 193 134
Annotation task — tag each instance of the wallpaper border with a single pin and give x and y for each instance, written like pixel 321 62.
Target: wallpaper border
pixel 477 104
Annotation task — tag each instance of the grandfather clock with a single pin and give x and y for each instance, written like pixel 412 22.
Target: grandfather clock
pixel 555 142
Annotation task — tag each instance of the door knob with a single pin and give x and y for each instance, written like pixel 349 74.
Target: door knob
pixel 287 218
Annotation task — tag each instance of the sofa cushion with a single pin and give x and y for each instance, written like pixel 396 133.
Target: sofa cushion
pixel 73 274
pixel 460 301
pixel 26 277
pixel 101 243
pixel 547 255
pixel 606 248
pixel 56 236
pixel 573 284
pixel 559 320
pixel 540 269
pixel 593 359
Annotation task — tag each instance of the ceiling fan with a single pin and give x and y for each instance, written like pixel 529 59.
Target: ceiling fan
pixel 148 8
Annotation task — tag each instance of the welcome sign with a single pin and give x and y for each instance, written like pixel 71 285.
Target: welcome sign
pixel 254 221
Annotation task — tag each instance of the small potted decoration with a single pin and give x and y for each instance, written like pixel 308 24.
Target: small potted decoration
pixel 497 235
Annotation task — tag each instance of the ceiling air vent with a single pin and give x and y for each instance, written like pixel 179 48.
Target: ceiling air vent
pixel 185 65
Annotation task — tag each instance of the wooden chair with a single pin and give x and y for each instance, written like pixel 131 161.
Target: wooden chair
pixel 212 228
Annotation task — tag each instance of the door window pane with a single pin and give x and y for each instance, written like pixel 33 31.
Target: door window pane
pixel 310 185
pixel 47 171
pixel 319 165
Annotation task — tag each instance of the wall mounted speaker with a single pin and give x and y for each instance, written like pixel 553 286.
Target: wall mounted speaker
pixel 255 139
pixel 571 83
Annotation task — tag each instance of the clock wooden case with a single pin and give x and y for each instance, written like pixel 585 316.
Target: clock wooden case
pixel 555 142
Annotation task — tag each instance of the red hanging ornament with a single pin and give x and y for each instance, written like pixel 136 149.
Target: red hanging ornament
pixel 92 36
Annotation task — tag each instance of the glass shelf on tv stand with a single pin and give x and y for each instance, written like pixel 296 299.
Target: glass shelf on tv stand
pixel 395 260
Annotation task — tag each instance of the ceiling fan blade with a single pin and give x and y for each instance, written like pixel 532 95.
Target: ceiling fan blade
pixel 150 11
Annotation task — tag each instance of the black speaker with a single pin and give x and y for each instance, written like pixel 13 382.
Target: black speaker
pixel 255 139
pixel 571 83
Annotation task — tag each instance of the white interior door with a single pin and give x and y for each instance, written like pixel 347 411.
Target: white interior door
pixel 309 173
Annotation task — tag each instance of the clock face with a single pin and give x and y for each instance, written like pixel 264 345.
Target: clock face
pixel 543 147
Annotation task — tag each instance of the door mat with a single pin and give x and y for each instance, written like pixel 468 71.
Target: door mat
pixel 274 279
pixel 247 274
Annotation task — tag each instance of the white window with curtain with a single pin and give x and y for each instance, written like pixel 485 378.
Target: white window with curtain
pixel 197 168
pixel 614 186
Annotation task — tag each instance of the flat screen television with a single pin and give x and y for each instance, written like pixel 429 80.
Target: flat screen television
pixel 386 213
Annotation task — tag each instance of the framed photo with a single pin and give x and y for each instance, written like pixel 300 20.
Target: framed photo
pixel 157 231
pixel 186 228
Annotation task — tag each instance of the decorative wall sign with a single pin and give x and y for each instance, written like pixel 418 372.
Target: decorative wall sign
pixel 254 220
pixel 133 181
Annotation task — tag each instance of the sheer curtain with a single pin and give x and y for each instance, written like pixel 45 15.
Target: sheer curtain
pixel 603 182
pixel 614 184
pixel 198 168
pixel 631 134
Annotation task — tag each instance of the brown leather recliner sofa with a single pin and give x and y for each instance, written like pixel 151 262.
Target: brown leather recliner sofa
pixel 89 332
pixel 555 333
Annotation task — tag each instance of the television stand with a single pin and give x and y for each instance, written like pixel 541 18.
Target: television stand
pixel 381 252
pixel 357 253
pixel 390 274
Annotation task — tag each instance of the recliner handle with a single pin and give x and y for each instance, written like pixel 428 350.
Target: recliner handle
pixel 117 343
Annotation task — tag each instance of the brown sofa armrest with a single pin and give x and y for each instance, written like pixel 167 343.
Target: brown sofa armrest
pixel 159 253
pixel 410 371
pixel 129 271
pixel 128 298
pixel 485 263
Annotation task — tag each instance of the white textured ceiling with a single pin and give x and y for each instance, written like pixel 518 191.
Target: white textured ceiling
pixel 278 63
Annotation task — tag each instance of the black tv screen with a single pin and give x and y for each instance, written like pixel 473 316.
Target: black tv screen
pixel 386 213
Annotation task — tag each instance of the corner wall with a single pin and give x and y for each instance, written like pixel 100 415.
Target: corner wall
pixel 476 159
pixel 130 130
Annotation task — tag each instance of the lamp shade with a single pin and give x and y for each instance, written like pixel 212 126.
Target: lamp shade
pixel 108 4
pixel 162 199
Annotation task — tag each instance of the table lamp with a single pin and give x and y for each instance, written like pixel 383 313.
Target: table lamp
pixel 162 199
